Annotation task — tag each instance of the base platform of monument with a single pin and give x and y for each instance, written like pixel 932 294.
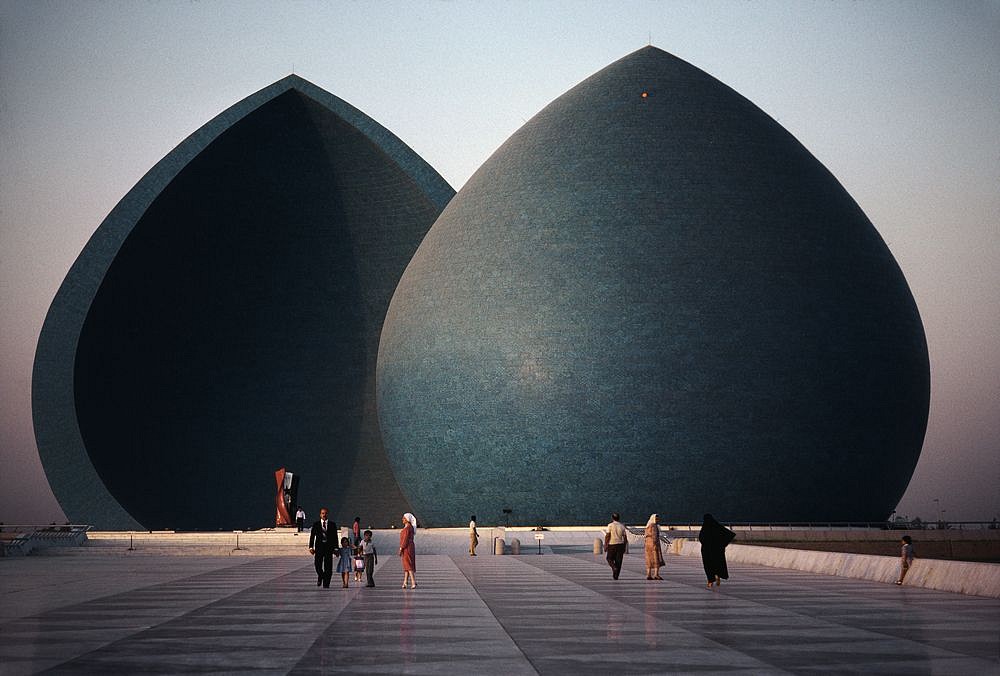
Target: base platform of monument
pixel 554 613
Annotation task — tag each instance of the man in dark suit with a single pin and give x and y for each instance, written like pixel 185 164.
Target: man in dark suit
pixel 322 542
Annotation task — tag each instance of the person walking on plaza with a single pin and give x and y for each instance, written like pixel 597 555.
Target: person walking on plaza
pixel 359 561
pixel 346 563
pixel 615 542
pixel 473 536
pixel 408 550
pixel 356 531
pixel 906 555
pixel 371 558
pixel 322 542
pixel 654 555
pixel 714 538
pixel 300 519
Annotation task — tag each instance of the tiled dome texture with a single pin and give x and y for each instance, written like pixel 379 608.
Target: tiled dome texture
pixel 652 298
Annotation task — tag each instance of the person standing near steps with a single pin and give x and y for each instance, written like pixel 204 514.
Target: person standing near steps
pixel 905 557
pixel 356 531
pixel 473 536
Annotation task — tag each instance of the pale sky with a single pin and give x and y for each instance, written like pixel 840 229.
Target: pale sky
pixel 900 100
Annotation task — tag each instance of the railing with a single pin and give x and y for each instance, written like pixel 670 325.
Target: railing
pixel 691 530
pixel 49 529
pixel 20 539
pixel 641 532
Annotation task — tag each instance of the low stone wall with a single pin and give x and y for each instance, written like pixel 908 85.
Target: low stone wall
pixel 977 579
pixel 962 545
pixel 984 551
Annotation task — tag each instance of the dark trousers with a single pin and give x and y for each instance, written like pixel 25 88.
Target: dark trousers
pixel 615 555
pixel 370 569
pixel 300 523
pixel 324 566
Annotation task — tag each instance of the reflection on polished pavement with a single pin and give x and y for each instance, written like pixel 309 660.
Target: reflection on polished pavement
pixel 551 614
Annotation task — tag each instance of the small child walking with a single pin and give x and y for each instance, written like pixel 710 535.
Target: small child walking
pixel 346 560
pixel 358 561
pixel 371 557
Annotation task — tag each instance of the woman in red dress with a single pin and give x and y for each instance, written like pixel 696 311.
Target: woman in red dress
pixel 407 550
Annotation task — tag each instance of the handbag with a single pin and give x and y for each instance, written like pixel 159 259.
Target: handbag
pixel 359 563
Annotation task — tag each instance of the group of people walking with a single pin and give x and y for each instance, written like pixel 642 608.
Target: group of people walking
pixel 616 543
pixel 714 538
pixel 357 554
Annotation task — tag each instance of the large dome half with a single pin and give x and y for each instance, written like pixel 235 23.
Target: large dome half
pixel 653 298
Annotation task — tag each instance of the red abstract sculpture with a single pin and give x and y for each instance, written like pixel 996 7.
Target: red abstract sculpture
pixel 282 516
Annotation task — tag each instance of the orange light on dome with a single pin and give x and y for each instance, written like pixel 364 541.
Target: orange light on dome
pixel 645 95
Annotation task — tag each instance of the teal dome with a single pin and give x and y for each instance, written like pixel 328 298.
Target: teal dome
pixel 652 298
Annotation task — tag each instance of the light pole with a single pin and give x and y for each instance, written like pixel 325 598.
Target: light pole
pixel 937 506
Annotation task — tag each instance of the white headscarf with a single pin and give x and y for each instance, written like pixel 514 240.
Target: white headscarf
pixel 413 521
pixel 652 520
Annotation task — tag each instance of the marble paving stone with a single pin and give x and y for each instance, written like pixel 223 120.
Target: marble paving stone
pixel 710 622
pixel 584 629
pixel 881 609
pixel 442 626
pixel 559 613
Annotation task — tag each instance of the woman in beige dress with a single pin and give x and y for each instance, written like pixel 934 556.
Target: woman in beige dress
pixel 654 556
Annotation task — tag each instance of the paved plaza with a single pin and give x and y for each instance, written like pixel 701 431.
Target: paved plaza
pixel 557 613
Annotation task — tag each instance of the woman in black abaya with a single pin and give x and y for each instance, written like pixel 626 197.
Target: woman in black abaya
pixel 714 537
